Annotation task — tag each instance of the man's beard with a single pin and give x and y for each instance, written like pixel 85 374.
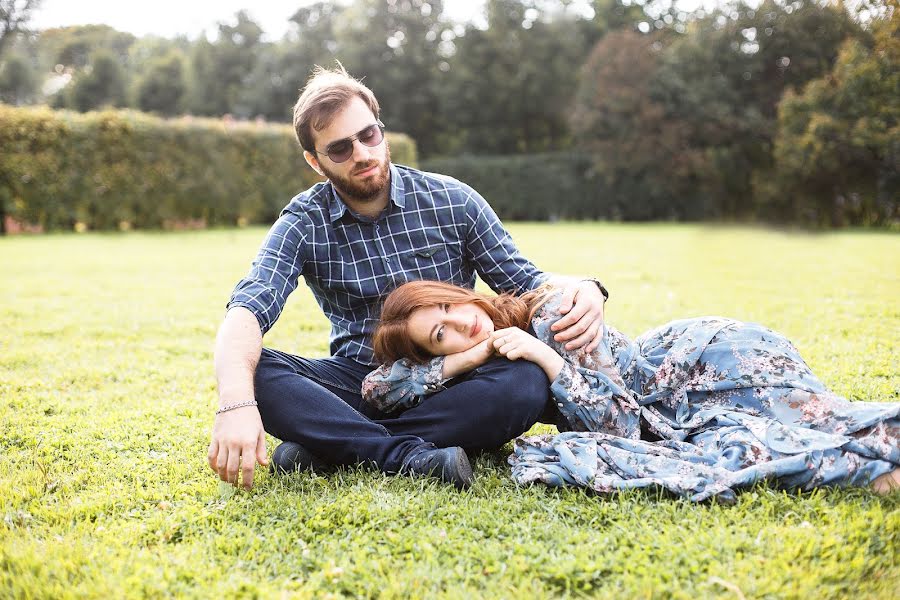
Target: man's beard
pixel 362 191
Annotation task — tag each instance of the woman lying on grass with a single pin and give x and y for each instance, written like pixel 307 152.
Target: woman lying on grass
pixel 698 406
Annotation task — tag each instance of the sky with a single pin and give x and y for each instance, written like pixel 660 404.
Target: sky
pixel 191 16
pixel 169 18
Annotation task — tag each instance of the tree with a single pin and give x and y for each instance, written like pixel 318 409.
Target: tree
pixel 640 154
pixel 14 14
pixel 723 80
pixel 220 69
pixel 101 84
pixel 17 81
pixel 508 89
pixel 283 68
pixel 163 87
pixel 837 153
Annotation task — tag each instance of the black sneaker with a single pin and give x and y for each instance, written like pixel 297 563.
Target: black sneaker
pixel 290 457
pixel 451 465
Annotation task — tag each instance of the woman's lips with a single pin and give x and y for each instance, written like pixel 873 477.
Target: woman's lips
pixel 476 327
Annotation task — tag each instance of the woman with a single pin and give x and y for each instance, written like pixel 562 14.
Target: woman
pixel 699 406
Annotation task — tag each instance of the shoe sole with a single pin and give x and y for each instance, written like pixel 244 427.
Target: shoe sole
pixel 464 471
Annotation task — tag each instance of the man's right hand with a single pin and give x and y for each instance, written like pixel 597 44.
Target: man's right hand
pixel 238 443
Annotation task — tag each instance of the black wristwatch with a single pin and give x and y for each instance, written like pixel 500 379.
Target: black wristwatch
pixel 600 285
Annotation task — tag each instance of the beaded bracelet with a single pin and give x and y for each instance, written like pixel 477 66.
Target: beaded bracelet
pixel 238 405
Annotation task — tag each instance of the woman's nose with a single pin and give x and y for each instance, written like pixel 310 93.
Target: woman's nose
pixel 457 322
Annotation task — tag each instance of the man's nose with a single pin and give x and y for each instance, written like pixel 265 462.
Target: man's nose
pixel 361 152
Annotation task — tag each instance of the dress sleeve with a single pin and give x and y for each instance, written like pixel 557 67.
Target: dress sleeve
pixel 590 391
pixel 403 384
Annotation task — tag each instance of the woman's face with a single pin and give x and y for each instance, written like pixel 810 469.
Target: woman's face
pixel 449 328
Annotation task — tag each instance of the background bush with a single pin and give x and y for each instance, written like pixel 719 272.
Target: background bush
pixel 128 169
pixel 564 185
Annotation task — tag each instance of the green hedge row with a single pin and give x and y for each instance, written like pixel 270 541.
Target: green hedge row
pixel 112 169
pixel 563 185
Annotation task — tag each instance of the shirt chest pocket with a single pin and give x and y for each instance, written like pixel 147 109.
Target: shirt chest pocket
pixel 429 262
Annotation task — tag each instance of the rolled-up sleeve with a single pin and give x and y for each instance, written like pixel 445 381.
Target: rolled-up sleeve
pixel 491 248
pixel 274 273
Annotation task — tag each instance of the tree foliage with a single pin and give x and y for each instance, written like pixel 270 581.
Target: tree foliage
pixel 100 85
pixel 163 87
pixel 14 15
pixel 837 153
pixel 18 83
pixel 677 114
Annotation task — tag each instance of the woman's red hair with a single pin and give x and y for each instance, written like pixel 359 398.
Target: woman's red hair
pixel 392 341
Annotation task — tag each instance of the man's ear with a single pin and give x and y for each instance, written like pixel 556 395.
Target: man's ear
pixel 313 162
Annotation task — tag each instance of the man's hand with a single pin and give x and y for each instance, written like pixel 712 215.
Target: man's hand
pixel 581 305
pixel 238 441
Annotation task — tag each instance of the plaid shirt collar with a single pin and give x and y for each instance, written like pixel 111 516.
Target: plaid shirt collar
pixel 337 208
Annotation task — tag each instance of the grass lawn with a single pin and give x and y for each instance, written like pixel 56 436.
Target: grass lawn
pixel 107 397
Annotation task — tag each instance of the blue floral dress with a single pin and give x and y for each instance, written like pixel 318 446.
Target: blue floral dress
pixel 698 406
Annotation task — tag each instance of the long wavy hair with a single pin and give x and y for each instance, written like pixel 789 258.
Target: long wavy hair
pixel 392 341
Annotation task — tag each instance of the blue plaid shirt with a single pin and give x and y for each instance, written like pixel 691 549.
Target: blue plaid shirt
pixel 434 228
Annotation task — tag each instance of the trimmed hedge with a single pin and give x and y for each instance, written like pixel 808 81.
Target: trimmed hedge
pixel 564 185
pixel 531 187
pixel 112 169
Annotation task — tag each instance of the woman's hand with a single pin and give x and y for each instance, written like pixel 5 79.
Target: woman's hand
pixel 463 362
pixel 513 343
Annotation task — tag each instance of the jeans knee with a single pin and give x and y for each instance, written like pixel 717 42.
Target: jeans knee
pixel 528 382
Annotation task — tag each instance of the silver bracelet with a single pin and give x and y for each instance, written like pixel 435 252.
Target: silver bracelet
pixel 238 405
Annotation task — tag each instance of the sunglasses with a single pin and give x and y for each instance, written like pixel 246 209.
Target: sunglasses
pixel 341 150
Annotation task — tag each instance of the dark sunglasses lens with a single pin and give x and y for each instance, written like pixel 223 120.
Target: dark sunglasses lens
pixel 340 151
pixel 371 136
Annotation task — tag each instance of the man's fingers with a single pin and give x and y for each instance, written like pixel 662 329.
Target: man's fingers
pixel 261 455
pixel 567 299
pixel 234 460
pixel 575 315
pixel 213 454
pixel 580 341
pixel 598 337
pixel 248 465
pixel 222 463
pixel 575 330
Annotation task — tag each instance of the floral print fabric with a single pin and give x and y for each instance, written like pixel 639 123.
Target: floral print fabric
pixel 700 407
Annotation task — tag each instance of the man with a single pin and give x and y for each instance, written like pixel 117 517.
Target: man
pixel 370 227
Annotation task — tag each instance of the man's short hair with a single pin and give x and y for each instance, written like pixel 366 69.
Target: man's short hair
pixel 325 94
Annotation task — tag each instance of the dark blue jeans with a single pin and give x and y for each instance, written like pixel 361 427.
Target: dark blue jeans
pixel 317 403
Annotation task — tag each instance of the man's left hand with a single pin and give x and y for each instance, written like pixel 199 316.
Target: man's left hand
pixel 581 326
